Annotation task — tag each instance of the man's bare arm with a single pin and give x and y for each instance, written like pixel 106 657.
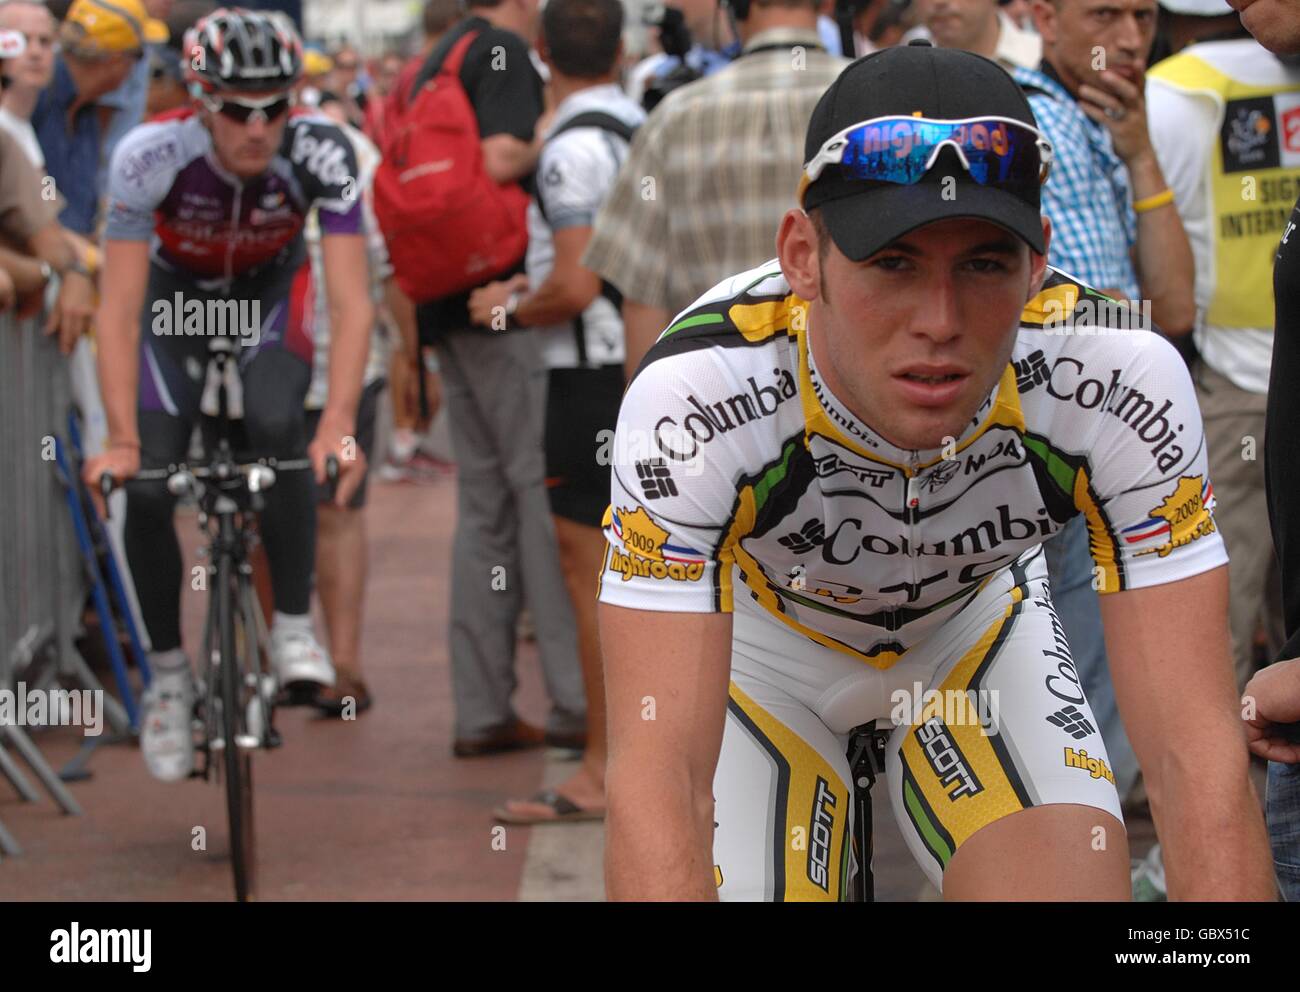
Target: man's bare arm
pixel 24 269
pixel 507 159
pixel 126 274
pixel 346 269
pixel 569 288
pixel 1172 669
pixel 642 325
pixel 666 678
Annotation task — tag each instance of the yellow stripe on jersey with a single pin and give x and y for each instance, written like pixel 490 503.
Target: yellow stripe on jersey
pixel 803 765
pixel 606 522
pixel 960 749
pixel 815 418
pixel 1101 542
pixel 1056 303
pixel 759 321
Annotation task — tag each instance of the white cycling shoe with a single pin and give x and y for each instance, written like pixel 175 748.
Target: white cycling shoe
pixel 301 664
pixel 166 734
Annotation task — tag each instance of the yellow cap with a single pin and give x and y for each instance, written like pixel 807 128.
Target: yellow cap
pixel 111 26
pixel 315 63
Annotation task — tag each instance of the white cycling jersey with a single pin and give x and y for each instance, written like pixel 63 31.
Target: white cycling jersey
pixel 736 471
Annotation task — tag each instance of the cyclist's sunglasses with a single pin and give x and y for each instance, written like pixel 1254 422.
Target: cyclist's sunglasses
pixel 996 151
pixel 243 109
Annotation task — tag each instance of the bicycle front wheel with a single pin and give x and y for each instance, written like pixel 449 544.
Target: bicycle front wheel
pixel 237 760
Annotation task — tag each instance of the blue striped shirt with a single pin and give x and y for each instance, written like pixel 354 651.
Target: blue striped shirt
pixel 1087 196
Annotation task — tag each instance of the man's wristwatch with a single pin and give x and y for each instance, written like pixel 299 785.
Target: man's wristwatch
pixel 47 271
pixel 79 266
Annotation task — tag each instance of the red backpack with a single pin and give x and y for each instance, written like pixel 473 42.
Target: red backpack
pixel 449 227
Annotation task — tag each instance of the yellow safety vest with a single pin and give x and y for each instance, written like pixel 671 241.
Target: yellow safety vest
pixel 1253 178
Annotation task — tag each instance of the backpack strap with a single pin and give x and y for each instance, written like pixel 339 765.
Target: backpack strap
pixel 612 124
pixel 448 56
pixel 456 57
pixel 596 118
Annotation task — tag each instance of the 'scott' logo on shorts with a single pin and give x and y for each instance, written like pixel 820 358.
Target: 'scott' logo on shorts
pixel 820 831
pixel 946 760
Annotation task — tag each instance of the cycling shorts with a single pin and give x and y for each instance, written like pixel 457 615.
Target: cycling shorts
pixel 1007 728
pixel 273 310
pixel 581 412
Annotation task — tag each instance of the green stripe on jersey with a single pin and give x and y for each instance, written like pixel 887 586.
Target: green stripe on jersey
pixel 696 321
pixel 772 477
pixel 1060 470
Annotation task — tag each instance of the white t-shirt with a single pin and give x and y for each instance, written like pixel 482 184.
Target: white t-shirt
pixel 1184 128
pixel 25 135
pixel 574 175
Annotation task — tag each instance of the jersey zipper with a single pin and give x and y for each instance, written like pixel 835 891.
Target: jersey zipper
pixel 913 512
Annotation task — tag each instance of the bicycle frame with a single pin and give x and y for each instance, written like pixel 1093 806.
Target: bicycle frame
pixel 237 696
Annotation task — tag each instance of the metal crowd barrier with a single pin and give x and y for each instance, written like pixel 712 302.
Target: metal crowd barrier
pixel 42 580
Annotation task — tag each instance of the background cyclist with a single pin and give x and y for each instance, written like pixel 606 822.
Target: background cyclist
pixel 208 207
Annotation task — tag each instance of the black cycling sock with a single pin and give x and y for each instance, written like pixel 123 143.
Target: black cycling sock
pixel 275 385
pixel 288 527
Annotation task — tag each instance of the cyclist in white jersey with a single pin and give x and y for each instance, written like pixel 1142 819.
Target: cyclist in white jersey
pixel 832 478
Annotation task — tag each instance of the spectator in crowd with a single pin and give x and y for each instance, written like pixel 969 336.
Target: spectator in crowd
pixel 166 81
pixel 34 248
pixel 437 17
pixel 341 548
pixel 316 70
pixel 416 390
pixel 53 247
pixel 386 70
pixel 495 394
pixel 1215 116
pixel 711 46
pixel 1275 691
pixel 129 100
pixel 28 74
pixel 1020 12
pixel 24 213
pixel 981 26
pixel 672 228
pixel 875 24
pixel 167 61
pixel 101 44
pixel 348 85
pixel 881 24
pixel 577 318
pixel 1113 228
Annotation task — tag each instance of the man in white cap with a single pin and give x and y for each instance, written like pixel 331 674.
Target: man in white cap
pixel 1224 116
